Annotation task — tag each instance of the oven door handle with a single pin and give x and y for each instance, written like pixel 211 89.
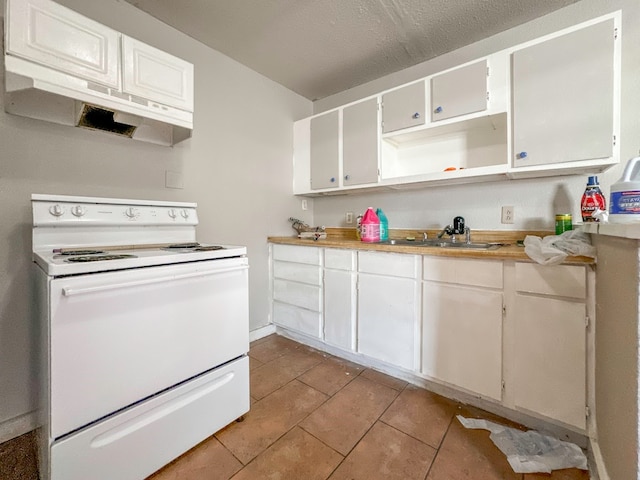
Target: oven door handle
pixel 70 291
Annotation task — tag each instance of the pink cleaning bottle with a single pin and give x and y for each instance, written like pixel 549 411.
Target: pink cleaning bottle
pixel 370 227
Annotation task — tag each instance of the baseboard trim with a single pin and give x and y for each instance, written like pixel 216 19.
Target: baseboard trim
pixel 261 332
pixel 17 426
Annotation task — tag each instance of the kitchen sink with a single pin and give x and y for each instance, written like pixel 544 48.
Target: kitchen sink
pixel 443 244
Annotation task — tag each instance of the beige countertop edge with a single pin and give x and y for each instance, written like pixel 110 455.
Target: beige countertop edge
pixel 511 252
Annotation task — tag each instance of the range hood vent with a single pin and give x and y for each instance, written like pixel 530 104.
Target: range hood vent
pixel 37 91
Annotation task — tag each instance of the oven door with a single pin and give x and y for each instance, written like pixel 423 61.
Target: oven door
pixel 119 337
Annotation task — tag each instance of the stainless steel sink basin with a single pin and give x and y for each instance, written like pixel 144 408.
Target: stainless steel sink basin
pixel 443 244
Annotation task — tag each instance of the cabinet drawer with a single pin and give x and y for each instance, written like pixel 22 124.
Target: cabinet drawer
pixel 560 280
pixel 339 259
pixel 480 273
pixel 298 272
pixel 297 319
pixel 389 264
pixel 298 294
pixel 295 253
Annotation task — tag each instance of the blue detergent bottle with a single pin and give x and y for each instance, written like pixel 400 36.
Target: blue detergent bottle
pixel 384 225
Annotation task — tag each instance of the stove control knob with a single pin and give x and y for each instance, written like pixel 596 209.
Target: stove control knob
pixel 131 212
pixel 172 213
pixel 184 213
pixel 56 210
pixel 78 211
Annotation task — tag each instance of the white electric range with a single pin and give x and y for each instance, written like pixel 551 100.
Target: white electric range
pixel 146 334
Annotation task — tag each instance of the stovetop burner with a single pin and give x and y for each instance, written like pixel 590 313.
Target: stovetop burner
pixel 96 258
pixel 79 252
pixel 192 247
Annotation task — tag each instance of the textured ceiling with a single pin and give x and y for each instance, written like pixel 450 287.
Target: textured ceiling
pixel 320 47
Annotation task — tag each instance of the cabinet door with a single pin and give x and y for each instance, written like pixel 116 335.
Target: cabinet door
pixel 49 34
pixel 339 308
pixel 156 75
pixel 462 337
pixel 563 98
pixel 459 91
pixel 387 317
pixel 403 108
pixel 550 366
pixel 360 143
pixel 325 155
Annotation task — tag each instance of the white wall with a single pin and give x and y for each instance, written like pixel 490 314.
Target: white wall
pixel 237 166
pixel 536 201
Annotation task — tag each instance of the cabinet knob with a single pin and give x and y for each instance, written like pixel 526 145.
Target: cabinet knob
pixel 438 110
pixel 522 155
pixel 416 115
pixel 347 177
pixel 333 179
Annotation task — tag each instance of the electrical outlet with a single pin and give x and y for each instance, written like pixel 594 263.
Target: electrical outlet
pixel 305 205
pixel 507 215
pixel 348 218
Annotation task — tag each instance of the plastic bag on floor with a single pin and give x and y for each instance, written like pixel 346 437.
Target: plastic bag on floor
pixel 530 452
pixel 553 249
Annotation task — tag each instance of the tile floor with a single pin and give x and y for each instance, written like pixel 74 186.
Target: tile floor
pixel 314 417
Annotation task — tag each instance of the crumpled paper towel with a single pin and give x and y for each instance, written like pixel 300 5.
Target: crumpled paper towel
pixel 530 452
pixel 554 249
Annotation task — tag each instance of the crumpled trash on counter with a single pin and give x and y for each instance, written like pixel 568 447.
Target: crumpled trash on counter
pixel 530 452
pixel 554 249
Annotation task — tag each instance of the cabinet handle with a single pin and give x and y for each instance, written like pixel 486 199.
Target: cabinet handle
pixel 347 177
pixel 438 110
pixel 333 179
pixel 522 155
pixel 416 115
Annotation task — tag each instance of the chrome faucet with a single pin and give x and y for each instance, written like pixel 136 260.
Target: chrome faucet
pixel 458 228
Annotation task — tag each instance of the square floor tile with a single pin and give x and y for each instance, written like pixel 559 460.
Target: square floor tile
pixel 297 455
pixel 272 347
pixel 386 453
pixel 331 375
pixel 269 419
pixel 208 460
pixel 345 418
pixel 421 414
pixel 467 454
pixel 276 373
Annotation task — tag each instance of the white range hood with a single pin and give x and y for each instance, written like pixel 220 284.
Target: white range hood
pixel 65 68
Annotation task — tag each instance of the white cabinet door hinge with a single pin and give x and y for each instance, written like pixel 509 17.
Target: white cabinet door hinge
pixel 488 71
pixel 502 386
pixel 487 96
pixel 615 33
pixel 587 321
pixel 587 411
pixel 504 310
pixel 614 140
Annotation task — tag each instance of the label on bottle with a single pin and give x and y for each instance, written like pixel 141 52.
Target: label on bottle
pixel 370 232
pixel 563 223
pixel 627 202
pixel 592 200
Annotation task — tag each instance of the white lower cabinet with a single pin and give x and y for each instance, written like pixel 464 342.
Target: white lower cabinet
pixel 510 332
pixel 340 298
pixel 462 310
pixel 388 307
pixel 296 287
pixel 550 340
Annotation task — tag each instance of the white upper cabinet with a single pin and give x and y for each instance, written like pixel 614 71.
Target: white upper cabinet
pixel 459 92
pixel 403 107
pixel 156 75
pixel 52 35
pixel 325 150
pixel 360 143
pixel 563 97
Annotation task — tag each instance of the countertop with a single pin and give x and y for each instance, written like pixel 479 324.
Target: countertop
pixel 346 238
